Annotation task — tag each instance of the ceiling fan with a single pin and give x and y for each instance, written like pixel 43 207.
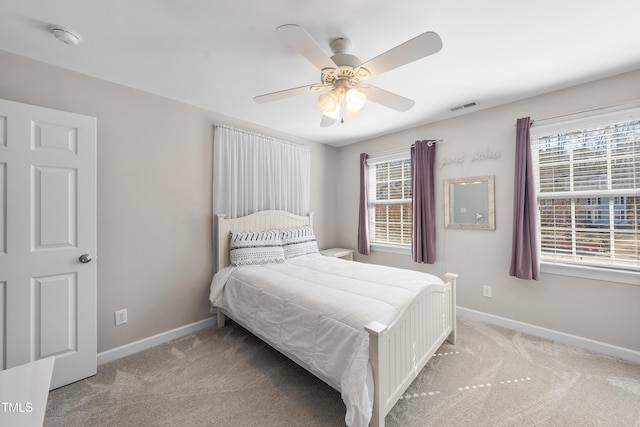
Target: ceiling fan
pixel 342 74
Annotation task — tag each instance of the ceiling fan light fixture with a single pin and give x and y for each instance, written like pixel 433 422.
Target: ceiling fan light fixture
pixel 329 101
pixel 338 101
pixel 355 100
pixel 334 114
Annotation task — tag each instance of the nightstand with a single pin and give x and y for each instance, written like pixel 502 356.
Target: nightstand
pixel 339 253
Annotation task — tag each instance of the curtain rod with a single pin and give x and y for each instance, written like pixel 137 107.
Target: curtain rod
pixel 430 142
pixel 585 111
pixel 255 134
pixel 399 150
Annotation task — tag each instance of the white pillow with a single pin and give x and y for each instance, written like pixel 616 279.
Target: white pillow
pixel 298 241
pixel 255 248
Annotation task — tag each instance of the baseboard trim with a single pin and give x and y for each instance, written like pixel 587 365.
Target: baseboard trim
pixel 161 338
pixel 581 342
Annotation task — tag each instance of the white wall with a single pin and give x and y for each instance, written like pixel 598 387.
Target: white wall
pixel 154 195
pixel 597 310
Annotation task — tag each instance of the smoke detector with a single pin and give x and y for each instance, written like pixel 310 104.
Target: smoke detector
pixel 65 35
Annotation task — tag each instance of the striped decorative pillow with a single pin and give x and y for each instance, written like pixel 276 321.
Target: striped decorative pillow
pixel 298 241
pixel 255 248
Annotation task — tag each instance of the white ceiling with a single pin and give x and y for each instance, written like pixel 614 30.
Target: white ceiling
pixel 219 54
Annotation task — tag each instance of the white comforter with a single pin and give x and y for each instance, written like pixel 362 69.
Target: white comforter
pixel 315 308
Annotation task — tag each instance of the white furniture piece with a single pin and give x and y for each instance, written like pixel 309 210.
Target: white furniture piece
pixel 339 253
pixel 399 350
pixel 24 391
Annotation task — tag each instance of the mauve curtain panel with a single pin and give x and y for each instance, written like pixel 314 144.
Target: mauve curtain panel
pixel 525 263
pixel 423 246
pixel 363 216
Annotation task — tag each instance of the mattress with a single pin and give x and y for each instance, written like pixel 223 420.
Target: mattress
pixel 315 308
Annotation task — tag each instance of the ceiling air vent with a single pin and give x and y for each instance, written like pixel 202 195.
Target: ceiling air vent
pixel 467 105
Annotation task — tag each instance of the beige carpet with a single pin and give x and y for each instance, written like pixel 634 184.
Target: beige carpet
pixel 227 377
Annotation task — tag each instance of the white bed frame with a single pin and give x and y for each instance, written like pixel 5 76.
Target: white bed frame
pixel 397 352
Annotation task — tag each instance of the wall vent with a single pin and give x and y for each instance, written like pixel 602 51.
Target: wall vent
pixel 467 105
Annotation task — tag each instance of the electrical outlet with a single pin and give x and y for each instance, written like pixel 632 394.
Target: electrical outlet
pixel 121 317
pixel 486 291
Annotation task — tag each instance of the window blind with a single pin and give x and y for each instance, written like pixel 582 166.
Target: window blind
pixel 390 213
pixel 587 172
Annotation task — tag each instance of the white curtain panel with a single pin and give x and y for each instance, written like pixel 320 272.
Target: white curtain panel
pixel 253 172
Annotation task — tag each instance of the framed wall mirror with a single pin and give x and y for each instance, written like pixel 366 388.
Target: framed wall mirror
pixel 469 203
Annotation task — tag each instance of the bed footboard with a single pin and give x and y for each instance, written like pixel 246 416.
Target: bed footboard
pixel 398 352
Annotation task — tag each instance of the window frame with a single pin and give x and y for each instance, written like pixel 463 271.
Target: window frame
pixel 372 161
pixel 577 268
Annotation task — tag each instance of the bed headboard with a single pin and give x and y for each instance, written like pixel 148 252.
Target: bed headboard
pixel 259 221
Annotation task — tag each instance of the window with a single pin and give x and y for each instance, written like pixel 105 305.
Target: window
pixel 588 187
pixel 390 210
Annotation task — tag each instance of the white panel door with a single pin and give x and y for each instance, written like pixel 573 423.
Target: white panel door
pixel 48 240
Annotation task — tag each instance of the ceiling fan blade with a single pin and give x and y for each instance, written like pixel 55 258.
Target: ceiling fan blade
pixel 389 99
pixel 326 121
pixel 301 41
pixel 275 96
pixel 419 47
